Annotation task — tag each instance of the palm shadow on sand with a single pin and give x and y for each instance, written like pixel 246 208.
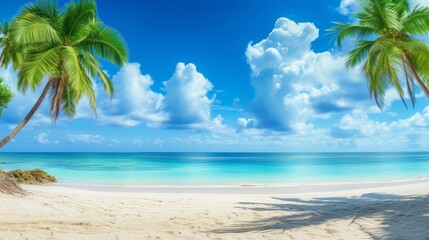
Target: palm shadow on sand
pixel 401 217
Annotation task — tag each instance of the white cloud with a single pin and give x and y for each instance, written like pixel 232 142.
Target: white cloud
pixel 185 104
pixel 293 84
pixel 133 100
pixel 216 125
pixel 85 138
pixel 348 6
pixel 286 39
pixel 186 101
pixel 367 133
pixel 136 141
pixel 42 138
pixel 358 124
pixel 417 121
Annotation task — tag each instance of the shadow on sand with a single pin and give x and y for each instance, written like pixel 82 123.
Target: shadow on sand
pixel 394 217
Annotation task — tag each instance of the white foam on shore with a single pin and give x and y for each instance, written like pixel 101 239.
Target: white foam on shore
pixel 242 188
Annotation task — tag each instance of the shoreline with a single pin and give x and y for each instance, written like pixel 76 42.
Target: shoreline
pixel 296 188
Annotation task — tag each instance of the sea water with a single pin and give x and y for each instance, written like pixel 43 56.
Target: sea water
pixel 220 168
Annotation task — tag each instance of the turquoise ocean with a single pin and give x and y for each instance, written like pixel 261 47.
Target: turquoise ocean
pixel 220 168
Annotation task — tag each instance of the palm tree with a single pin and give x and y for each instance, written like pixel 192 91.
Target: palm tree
pixel 61 46
pixel 389 44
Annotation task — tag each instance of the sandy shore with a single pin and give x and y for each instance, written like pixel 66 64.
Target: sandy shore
pixel 385 210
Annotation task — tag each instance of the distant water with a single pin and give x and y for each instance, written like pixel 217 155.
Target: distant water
pixel 220 168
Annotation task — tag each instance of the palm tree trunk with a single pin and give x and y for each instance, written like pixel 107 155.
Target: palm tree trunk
pixel 416 75
pixel 29 115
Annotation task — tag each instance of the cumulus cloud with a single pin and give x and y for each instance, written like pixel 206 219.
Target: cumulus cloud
pixel 85 138
pixel 417 121
pixel 366 133
pixel 358 124
pixel 294 84
pixel 184 105
pixel 133 101
pixel 186 101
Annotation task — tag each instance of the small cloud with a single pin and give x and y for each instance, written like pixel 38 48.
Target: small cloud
pixel 85 138
pixel 348 6
pixel 358 124
pixel 246 123
pixel 158 142
pixel 136 141
pixel 42 138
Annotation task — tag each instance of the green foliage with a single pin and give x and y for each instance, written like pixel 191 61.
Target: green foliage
pixel 11 53
pixel 63 45
pixel 6 96
pixel 387 34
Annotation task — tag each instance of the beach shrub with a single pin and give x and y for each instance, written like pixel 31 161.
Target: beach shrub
pixel 36 176
pixel 6 96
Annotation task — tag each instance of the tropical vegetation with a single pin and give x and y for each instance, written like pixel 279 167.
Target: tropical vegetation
pixel 389 43
pixel 6 96
pixel 60 48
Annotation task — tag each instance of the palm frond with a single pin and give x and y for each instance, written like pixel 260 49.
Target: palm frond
pixel 11 52
pixel 37 65
pixel 409 79
pixel 68 103
pixel 46 9
pixel 29 28
pixel 360 52
pixel 89 91
pixel 78 18
pixel 73 71
pixel 106 43
pixel 417 22
pixel 346 30
pixel 77 77
pixel 91 64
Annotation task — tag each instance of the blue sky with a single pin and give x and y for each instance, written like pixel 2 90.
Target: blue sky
pixel 224 76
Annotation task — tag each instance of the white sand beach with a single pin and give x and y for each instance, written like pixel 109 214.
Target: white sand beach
pixel 385 210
